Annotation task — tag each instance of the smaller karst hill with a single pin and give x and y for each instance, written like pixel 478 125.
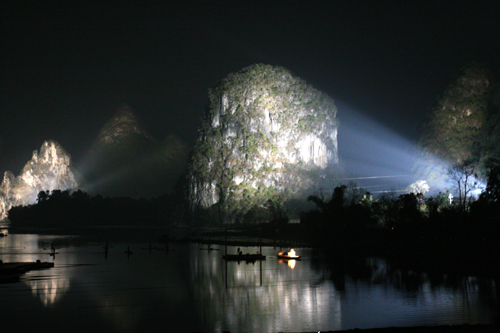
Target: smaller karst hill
pixel 49 169
pixel 125 160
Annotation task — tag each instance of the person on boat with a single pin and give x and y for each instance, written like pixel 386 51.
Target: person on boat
pixel 52 248
pixel 238 251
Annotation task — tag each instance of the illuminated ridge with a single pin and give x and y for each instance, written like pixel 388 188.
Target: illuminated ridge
pixel 49 169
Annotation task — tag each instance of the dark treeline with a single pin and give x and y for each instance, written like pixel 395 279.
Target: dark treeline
pixel 75 209
pixel 409 223
pixel 349 220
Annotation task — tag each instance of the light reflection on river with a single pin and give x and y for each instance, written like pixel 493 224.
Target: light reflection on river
pixel 192 289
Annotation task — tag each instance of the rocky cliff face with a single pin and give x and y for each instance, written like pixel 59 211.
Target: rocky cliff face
pixel 265 135
pixel 49 169
pixel 126 160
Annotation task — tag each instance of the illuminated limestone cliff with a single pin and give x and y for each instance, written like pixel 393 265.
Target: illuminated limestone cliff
pixel 266 135
pixel 125 160
pixel 50 169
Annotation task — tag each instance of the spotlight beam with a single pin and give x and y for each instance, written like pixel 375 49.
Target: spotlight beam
pixel 388 191
pixel 374 177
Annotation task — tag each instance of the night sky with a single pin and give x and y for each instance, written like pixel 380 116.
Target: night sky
pixel 65 68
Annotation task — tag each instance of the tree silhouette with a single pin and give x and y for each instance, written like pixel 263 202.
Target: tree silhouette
pixel 465 179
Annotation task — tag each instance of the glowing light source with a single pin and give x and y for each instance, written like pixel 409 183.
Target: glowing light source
pixel 288 255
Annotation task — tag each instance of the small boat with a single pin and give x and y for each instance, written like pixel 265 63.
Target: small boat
pixel 24 266
pixel 290 255
pixel 244 257
pixel 10 272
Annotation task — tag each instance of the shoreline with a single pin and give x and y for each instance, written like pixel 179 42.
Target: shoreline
pixel 468 258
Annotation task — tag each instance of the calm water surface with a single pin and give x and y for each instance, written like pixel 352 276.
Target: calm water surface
pixel 190 289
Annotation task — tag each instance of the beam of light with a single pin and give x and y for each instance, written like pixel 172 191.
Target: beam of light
pixel 368 187
pixel 109 178
pixel 140 174
pixel 374 177
pixel 395 191
pixel 370 152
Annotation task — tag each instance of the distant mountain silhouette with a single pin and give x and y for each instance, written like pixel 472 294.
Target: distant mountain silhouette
pixel 125 160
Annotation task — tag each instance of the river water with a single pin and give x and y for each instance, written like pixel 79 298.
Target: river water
pixel 191 289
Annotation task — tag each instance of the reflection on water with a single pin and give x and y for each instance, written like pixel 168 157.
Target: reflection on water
pixel 45 285
pixel 291 263
pixel 285 299
pixel 192 289
pixel 49 291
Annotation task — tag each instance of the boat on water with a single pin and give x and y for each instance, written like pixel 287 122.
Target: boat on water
pixel 240 256
pixel 24 266
pixel 244 257
pixel 10 272
pixel 290 255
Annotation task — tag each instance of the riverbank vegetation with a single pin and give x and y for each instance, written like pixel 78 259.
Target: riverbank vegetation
pixel 350 220
pixel 58 209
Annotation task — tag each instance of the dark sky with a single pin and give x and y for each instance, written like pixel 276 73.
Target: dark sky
pixel 66 68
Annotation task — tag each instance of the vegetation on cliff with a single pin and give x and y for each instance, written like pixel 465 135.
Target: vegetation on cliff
pixel 462 131
pixel 265 138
